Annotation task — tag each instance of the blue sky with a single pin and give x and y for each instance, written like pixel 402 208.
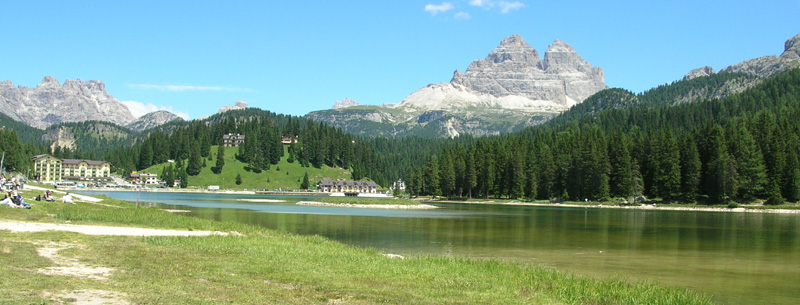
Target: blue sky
pixel 293 57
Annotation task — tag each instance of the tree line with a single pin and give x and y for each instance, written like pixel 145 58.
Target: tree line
pixel 743 147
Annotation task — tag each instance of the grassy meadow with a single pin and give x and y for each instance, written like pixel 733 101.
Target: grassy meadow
pixel 284 175
pixel 261 266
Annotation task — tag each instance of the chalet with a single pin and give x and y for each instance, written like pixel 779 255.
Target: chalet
pixel 47 168
pixel 286 140
pixel 399 185
pixel 232 140
pixel 143 178
pixel 328 186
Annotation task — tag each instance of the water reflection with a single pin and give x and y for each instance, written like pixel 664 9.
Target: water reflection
pixel 739 258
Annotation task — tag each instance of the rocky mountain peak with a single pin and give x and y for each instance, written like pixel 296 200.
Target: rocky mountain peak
pixel 236 105
pixel 153 119
pixel 791 48
pixel 513 48
pixel 346 102
pixel 49 81
pixel 704 71
pixel 559 46
pixel 770 65
pixel 51 103
pixel 514 69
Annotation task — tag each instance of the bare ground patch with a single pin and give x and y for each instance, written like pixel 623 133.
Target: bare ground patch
pixel 68 266
pixel 89 297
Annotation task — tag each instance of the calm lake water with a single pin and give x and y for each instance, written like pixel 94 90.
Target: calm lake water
pixel 737 258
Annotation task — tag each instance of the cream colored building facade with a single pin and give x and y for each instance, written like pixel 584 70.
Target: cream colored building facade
pixel 47 168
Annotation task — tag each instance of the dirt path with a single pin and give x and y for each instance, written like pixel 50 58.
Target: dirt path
pixel 19 226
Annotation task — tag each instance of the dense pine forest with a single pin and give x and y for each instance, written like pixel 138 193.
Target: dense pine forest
pixel 743 147
pixel 666 143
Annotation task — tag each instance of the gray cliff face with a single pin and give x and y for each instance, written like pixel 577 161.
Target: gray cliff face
pixel 51 103
pixel 699 72
pixel 767 66
pixel 235 106
pixel 346 102
pixel 153 119
pixel 514 68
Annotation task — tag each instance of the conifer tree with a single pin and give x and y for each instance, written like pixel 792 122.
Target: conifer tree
pixel 749 162
pixel 238 179
pixel 145 155
pixel 431 177
pixel 304 184
pixel 690 169
pixel 220 160
pixel 195 163
pixel 667 172
pixel 619 158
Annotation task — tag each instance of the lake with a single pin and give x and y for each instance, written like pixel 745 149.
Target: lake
pixel 737 258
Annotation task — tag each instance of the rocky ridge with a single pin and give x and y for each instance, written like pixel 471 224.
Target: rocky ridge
pixel 346 102
pixel 153 119
pixel 699 72
pixel 767 66
pixel 508 90
pixel 51 103
pixel 237 105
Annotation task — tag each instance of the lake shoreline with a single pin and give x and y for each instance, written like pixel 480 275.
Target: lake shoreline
pixel 368 206
pixel 647 207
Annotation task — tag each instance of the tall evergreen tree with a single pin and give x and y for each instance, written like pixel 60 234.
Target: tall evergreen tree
pixel 195 163
pixel 667 170
pixel 220 160
pixel 619 157
pixel 431 177
pixel 304 184
pixel 690 169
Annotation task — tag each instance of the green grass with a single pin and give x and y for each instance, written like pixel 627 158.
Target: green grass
pixel 269 267
pixel 367 201
pixel 284 175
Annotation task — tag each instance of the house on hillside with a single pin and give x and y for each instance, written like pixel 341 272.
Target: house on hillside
pixel 286 140
pixel 328 186
pixel 47 168
pixel 232 140
pixel 143 179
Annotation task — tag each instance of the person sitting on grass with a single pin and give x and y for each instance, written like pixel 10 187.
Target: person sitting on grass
pixel 17 198
pixel 67 199
pixel 14 200
pixel 48 196
pixel 7 201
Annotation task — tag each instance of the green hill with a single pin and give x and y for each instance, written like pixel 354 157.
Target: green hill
pixel 284 175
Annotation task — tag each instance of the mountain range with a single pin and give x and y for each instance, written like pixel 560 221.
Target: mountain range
pixel 52 103
pixel 512 88
pixel 508 90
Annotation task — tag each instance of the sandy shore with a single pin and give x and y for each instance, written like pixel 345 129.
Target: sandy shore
pixel 649 207
pixel 369 206
pixel 262 200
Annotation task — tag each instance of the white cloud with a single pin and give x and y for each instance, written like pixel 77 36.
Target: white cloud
pixel 139 109
pixel 462 15
pixel 506 6
pixel 441 8
pixel 481 3
pixel 179 88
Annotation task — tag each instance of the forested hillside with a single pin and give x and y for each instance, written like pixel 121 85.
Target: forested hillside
pixel 714 86
pixel 743 147
pixel 190 142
